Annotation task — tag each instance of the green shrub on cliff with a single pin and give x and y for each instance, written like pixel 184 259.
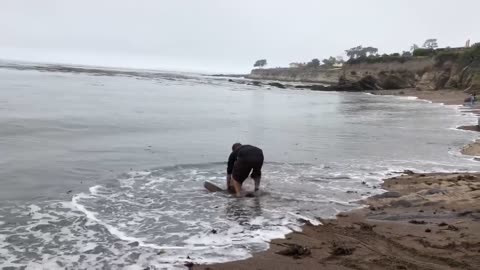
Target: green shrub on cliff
pixel 360 51
pixel 385 58
pixel 446 55
pixel 471 56
pixel 315 63
pixel 462 56
pixel 329 62
pixel 424 52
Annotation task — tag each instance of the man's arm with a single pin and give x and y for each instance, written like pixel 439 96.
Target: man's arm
pixel 229 179
pixel 231 162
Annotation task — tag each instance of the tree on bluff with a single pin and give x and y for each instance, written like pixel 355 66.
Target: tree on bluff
pixel 260 63
pixel 430 43
pixel 406 54
pixel 329 62
pixel 314 63
pixel 360 51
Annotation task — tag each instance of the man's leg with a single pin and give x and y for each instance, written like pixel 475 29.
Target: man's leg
pixel 237 186
pixel 257 183
pixel 239 174
pixel 257 172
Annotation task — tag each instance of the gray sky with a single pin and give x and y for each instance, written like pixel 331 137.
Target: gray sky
pixel 223 35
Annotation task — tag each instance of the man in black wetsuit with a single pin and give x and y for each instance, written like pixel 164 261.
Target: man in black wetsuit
pixel 242 160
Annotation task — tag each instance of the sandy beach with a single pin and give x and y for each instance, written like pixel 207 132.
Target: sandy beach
pixel 422 221
pixel 447 97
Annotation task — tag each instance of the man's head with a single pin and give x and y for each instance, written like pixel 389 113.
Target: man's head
pixel 235 146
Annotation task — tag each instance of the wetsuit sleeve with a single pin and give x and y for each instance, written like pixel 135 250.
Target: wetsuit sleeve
pixel 231 161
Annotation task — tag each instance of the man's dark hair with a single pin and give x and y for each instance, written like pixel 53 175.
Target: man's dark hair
pixel 236 145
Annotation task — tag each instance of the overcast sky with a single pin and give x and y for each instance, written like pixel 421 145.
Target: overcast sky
pixel 223 35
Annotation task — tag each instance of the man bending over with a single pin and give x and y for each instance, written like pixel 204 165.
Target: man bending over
pixel 242 160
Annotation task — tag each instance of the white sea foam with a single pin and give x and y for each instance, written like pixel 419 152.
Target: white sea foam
pixel 185 217
pixel 139 226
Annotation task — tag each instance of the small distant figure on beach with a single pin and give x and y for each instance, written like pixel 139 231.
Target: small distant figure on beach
pixel 471 99
pixel 243 160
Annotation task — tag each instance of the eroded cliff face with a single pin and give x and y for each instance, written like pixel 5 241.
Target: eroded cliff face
pixel 312 75
pixel 450 75
pixel 390 75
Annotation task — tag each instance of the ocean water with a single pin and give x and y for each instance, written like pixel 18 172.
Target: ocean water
pixel 106 170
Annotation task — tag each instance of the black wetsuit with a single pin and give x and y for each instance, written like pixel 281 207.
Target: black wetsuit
pixel 244 159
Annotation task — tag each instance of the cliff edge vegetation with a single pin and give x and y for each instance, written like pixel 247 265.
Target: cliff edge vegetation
pixel 426 69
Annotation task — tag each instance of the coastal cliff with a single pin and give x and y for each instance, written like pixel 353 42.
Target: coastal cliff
pixel 301 74
pixel 450 68
pixel 395 73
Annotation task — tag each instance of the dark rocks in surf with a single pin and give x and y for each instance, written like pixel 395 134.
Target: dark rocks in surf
pixel 134 244
pixel 470 128
pixel 452 228
pixel 344 85
pixel 44 228
pixel 389 194
pixel 401 203
pixel 365 83
pixel 295 251
pixel 278 85
pixel 418 222
pixel 435 191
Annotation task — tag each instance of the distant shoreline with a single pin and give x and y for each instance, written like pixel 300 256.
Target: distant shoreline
pixel 91 69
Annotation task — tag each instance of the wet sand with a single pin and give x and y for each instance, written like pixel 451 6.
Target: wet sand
pixel 423 221
pixel 472 149
pixel 447 97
